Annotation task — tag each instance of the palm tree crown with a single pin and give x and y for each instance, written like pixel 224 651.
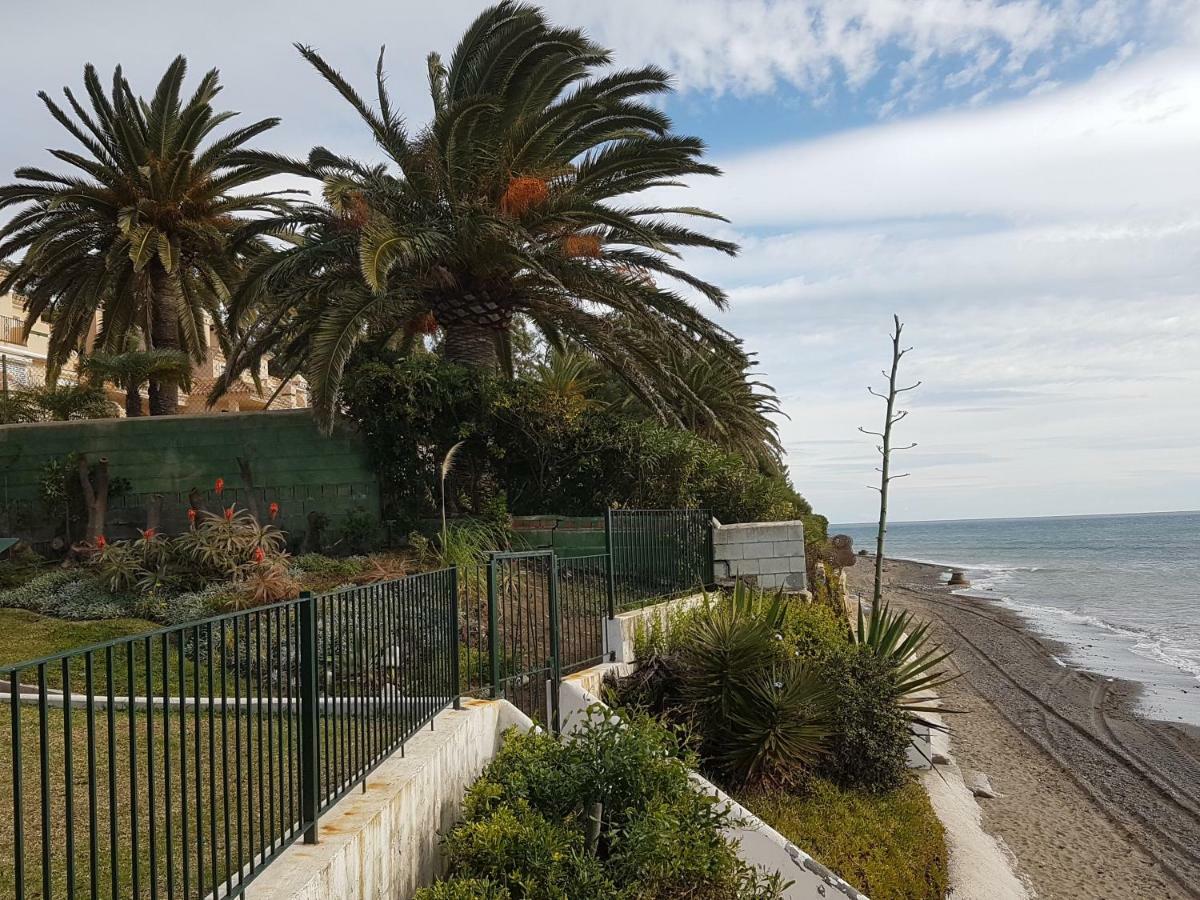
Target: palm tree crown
pixel 516 199
pixel 150 235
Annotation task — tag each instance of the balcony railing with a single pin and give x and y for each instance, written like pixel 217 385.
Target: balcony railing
pixel 12 330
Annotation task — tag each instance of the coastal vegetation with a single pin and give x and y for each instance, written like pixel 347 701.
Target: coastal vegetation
pixel 612 812
pixel 783 700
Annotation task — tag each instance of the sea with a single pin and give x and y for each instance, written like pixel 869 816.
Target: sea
pixel 1121 593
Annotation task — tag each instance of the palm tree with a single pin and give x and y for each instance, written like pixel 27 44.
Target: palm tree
pixel 517 199
pixel 133 368
pixel 152 233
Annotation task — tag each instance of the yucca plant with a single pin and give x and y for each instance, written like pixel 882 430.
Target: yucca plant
pixel 779 726
pixel 898 637
pixel 761 715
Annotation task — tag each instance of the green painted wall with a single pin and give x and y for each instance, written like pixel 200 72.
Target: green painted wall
pixel 566 535
pixel 292 463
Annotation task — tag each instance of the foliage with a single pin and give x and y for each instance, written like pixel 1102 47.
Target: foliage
pixel 515 200
pixel 761 713
pixel 904 642
pixel 153 232
pixel 464 889
pixel 890 846
pixel 66 595
pixel 230 547
pixel 131 369
pixel 871 734
pixel 528 446
pixel 358 534
pixel 21 564
pixel 319 564
pixel 56 403
pixel 609 813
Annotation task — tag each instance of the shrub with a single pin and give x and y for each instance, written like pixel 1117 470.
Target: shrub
pixel 464 889
pixel 20 566
pixel 358 534
pixel 891 846
pixel 609 813
pixel 537 451
pixel 871 733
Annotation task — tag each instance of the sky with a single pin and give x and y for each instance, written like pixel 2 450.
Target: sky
pixel 1019 181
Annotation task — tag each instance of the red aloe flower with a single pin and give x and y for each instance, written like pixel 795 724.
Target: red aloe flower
pixel 148 534
pixel 101 543
pixel 259 556
pixel 273 511
pixel 219 486
pixel 229 514
pixel 192 515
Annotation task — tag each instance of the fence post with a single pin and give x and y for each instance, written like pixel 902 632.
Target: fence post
pixel 455 674
pixel 493 635
pixel 555 636
pixel 310 768
pixel 611 585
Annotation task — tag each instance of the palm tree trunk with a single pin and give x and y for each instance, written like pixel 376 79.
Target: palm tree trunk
pixel 133 400
pixel 164 335
pixel 471 345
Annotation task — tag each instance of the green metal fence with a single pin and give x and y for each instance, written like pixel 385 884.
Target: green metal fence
pixel 657 554
pixel 180 762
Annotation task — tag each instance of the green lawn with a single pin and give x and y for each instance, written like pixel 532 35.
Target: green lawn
pixel 26 635
pixel 889 846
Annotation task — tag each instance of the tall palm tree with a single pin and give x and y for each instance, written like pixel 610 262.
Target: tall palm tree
pixel 133 368
pixel 152 232
pixel 518 198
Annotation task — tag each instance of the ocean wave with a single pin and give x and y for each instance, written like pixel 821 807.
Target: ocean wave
pixel 1183 655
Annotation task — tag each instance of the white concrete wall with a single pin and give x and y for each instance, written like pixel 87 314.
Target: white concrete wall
pixel 769 553
pixel 384 842
pixel 620 634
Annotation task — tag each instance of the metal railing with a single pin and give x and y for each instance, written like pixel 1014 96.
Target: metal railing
pixel 12 330
pixel 657 554
pixel 180 762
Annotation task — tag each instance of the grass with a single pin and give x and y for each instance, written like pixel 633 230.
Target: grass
pixel 889 846
pixel 27 635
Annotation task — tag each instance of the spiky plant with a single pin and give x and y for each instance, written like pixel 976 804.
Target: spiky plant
pixel 519 198
pixel 916 659
pixel 151 229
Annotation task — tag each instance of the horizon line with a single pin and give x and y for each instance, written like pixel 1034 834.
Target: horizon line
pixel 1160 512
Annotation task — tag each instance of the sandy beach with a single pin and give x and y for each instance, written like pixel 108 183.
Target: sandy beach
pixel 1094 801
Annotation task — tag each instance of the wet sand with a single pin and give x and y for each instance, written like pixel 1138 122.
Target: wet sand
pixel 1095 802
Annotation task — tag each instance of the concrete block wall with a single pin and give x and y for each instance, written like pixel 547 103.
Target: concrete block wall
pixel 769 553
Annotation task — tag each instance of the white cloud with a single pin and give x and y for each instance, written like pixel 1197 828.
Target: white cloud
pixel 1046 256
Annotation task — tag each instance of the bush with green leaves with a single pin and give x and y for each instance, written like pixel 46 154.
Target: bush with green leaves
pixel 534 450
pixel 67 594
pixel 871 733
pixel 610 812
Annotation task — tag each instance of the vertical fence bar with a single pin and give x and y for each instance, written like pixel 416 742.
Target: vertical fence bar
pixel 455 674
pixel 14 689
pixel 610 552
pixel 310 763
pixel 555 638
pixel 493 633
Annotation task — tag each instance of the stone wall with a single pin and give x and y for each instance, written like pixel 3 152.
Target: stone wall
pixel 771 554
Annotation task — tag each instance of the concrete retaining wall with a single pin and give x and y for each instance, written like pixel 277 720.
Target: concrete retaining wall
pixel 621 633
pixel 771 554
pixel 384 842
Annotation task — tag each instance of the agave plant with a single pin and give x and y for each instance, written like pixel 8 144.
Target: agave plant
pixel 906 642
